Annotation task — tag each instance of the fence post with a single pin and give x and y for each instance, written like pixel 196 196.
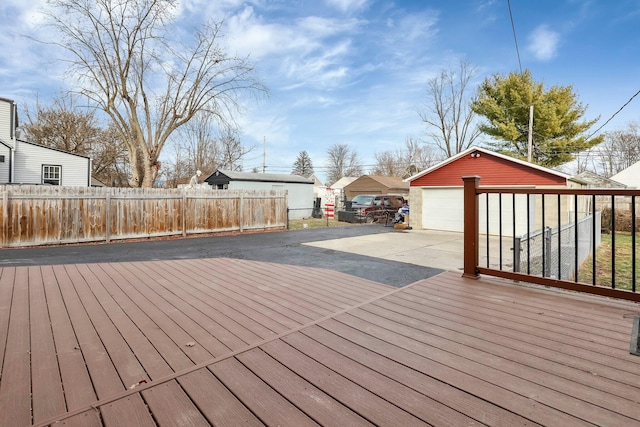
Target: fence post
pixel 471 237
pixel 241 212
pixel 184 213
pixel 517 247
pixel 107 227
pixel 5 218
pixel 547 252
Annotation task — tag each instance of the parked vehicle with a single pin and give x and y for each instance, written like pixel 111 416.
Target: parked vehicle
pixel 376 207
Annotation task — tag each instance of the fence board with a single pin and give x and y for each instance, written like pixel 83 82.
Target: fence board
pixel 44 215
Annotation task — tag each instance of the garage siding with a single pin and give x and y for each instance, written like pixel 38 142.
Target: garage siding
pixel 493 170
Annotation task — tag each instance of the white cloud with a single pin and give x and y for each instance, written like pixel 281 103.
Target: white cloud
pixel 309 50
pixel 347 5
pixel 544 43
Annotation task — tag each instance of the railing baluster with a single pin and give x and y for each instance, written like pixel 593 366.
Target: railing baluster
pixel 487 217
pixel 613 242
pixel 500 225
pixel 593 239
pixel 513 220
pixel 559 239
pixel 544 241
pixel 633 243
pixel 528 233
pixel 575 237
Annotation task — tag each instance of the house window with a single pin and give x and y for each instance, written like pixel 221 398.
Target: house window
pixel 51 174
pixel 2 158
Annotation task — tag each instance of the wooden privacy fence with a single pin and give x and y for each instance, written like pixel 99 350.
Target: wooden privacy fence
pixel 45 215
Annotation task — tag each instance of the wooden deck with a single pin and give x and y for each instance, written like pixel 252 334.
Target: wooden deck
pixel 228 342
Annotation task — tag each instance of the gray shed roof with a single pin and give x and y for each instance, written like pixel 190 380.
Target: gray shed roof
pixel 260 177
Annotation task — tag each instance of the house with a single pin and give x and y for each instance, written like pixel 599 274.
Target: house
pixel 373 184
pixel 299 189
pixel 436 194
pixel 629 176
pixel 24 162
pixel 593 180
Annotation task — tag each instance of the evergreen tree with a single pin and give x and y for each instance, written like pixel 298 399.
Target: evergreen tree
pixel 303 165
pixel 558 132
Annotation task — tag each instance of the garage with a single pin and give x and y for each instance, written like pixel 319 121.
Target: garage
pixel 436 194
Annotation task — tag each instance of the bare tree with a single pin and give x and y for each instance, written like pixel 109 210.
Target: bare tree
pixel 109 158
pixel 196 148
pixel 447 114
pixel 62 125
pixel 231 150
pixel 201 145
pixel 619 150
pixel 66 126
pixel 342 162
pixel 388 163
pixel 124 60
pixel 409 160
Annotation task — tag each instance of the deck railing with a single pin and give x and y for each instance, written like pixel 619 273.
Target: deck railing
pixel 578 239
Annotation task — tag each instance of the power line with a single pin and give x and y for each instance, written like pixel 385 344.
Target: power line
pixel 515 39
pixel 614 114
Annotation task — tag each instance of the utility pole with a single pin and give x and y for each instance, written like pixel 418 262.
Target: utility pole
pixel 264 154
pixel 530 145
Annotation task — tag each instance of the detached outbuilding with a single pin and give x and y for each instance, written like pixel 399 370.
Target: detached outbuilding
pixel 373 184
pixel 299 189
pixel 436 194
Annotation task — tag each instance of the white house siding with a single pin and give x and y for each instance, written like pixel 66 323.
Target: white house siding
pixel 6 108
pixel 29 159
pixel 5 166
pixel 299 196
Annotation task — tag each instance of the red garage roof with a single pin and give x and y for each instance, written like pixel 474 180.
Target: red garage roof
pixel 493 168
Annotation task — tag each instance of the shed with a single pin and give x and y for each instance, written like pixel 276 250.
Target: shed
pixel 374 184
pixel 436 194
pixel 629 176
pixel 299 189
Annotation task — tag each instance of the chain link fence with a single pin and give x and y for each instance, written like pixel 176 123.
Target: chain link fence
pixel 552 252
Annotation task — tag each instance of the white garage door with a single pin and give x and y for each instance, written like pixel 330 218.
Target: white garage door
pixel 443 209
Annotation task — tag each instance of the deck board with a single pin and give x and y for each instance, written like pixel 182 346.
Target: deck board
pixel 15 383
pixel 220 406
pixel 78 389
pixel 320 406
pixel 557 363
pixel 6 295
pixel 407 399
pixel 453 397
pixel 228 342
pixel 46 384
pixel 268 405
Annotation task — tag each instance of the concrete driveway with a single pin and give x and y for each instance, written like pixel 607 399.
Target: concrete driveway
pixel 428 248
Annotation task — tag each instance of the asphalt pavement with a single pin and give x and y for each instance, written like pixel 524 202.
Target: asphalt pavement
pixel 286 247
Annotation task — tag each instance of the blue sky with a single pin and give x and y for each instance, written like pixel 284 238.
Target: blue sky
pixel 354 71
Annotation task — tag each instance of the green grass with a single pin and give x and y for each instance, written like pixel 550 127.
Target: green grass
pixel 299 224
pixel 623 263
